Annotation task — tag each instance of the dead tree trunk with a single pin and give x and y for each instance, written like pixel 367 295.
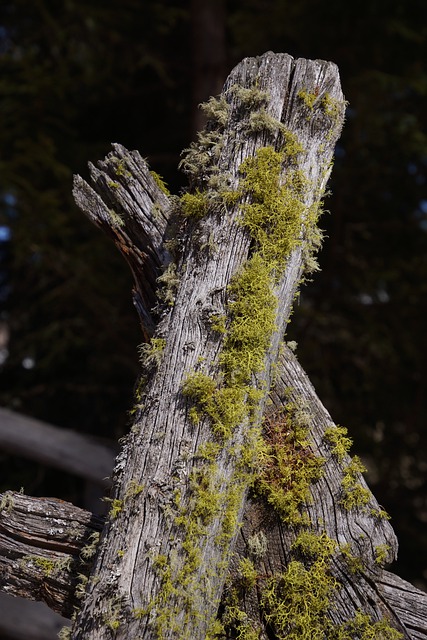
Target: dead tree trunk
pixel 248 227
pixel 224 524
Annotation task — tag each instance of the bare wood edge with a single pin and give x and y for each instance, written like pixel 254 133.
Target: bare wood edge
pixel 63 449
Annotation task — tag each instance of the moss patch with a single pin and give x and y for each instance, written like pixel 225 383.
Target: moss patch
pixel 288 466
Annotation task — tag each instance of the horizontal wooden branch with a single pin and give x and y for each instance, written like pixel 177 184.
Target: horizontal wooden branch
pixel 45 549
pixel 60 448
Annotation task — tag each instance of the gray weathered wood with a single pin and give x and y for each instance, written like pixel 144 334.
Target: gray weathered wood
pixel 161 452
pixel 41 542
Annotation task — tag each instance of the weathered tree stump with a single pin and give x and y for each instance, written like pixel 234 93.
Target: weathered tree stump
pixel 236 510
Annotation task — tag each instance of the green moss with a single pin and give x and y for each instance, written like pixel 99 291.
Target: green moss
pixel 194 205
pixel 150 353
pixel 295 603
pixel 226 406
pixel 250 97
pixel 169 282
pixel 274 215
pixel 113 185
pixel 354 563
pixel 354 494
pixel 116 219
pixel 257 545
pixel 288 467
pixel 247 572
pixel 217 110
pixel 116 508
pixel 341 444
pixel 64 633
pixel 160 183
pixel 6 502
pixel 309 99
pixel 383 554
pixel 219 323
pixel 80 589
pixel 113 624
pixel 133 489
pixel 253 313
pixel 362 627
pixel 332 107
pixel 89 550
pixel 314 546
pixel 47 566
pixel 121 170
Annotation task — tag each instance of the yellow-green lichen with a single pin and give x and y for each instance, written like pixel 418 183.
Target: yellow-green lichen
pixel 247 573
pixel 169 281
pixel 354 494
pixel 116 508
pixel 194 205
pixel 47 566
pixel 150 353
pixel 288 466
pixel 353 562
pixel 383 554
pixel 249 97
pixel 308 98
pixel 6 502
pixel 89 550
pixel 160 183
pixel 116 219
pixel 217 110
pixel 362 627
pixel 341 444
pixel 295 603
pixel 274 215
pixel 121 170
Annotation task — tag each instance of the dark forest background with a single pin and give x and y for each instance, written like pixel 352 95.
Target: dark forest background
pixel 76 75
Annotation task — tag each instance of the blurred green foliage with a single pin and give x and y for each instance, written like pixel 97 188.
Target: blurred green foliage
pixel 79 74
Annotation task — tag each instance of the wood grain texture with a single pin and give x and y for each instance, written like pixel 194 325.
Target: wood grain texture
pixel 41 541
